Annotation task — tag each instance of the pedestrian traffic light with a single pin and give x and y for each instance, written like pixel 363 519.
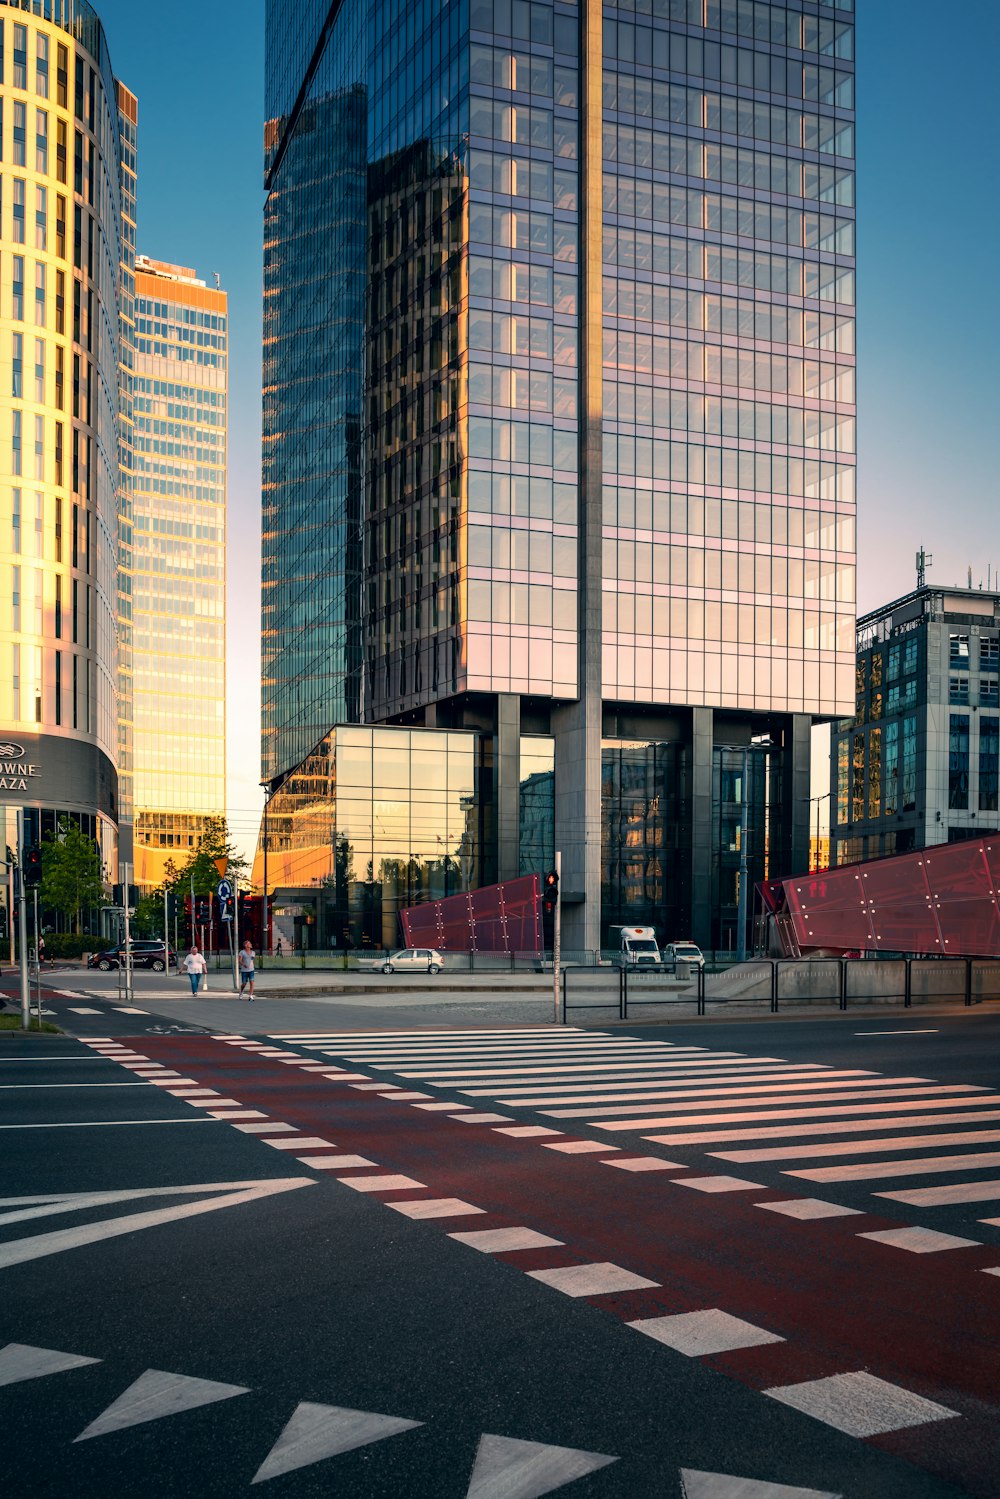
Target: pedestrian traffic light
pixel 551 890
pixel 32 866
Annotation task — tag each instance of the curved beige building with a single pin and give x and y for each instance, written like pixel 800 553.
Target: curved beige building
pixel 66 240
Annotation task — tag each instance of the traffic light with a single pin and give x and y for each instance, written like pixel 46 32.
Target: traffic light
pixel 3 922
pixel 201 911
pixel 551 890
pixel 32 867
pixel 171 905
pixel 226 908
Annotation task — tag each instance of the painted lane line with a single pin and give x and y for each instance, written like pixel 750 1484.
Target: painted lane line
pixel 225 1194
pixel 105 1123
pixel 226 1103
pixel 172 1082
pixel 263 1129
pixel 881 1170
pixel 405 1096
pixel 859 1147
pixel 335 1162
pixel 237 1114
pixel 794 1080
pixel 81 1010
pixel 599 1279
pixel 19 1361
pixel 503 1240
pixel 919 1240
pixel 860 1404
pixel 772 1099
pixel 933 1197
pixel 129 1010
pixel 192 1093
pixel 315 1432
pixel 995 1269
pixel 750 1093
pixel 516 1469
pixel 26 1061
pixel 379 1035
pixel 526 1131
pixel 302 1143
pixel 381 1183
pixel 833 1127
pixel 432 1107
pixel 897 1033
pixel 156 1394
pixel 775 1116
pixel 435 1207
pixel 708 1066
pixel 579 1147
pixel 807 1208
pixel 645 1163
pixel 718 1184
pixel 482 1118
pixel 698 1484
pixel 697 1334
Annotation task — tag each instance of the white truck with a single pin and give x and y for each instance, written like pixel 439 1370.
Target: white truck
pixel 634 947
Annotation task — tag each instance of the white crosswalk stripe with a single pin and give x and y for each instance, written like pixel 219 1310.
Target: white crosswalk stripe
pixel 814 1121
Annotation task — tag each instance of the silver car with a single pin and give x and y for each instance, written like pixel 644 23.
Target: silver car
pixel 413 960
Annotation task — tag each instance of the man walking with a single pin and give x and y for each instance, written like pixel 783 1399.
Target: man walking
pixel 194 967
pixel 246 969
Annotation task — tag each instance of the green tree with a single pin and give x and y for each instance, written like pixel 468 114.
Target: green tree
pixel 201 867
pixel 71 872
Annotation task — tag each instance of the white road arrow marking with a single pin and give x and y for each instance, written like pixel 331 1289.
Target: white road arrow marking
pixel 698 1485
pixel 509 1469
pixel 156 1394
pixel 318 1431
pixel 229 1194
pixel 20 1361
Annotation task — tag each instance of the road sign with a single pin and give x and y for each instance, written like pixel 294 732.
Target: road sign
pixel 223 889
pixel 221 865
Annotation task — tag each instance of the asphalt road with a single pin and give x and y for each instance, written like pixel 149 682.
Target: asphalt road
pixel 308 1284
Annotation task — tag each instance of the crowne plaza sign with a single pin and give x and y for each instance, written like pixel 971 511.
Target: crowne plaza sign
pixel 16 770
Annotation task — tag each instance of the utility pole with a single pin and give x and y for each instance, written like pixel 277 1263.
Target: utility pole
pixel 38 959
pixel 234 934
pixel 266 933
pixel 741 908
pixel 557 941
pixel 166 933
pixel 127 875
pixel 22 923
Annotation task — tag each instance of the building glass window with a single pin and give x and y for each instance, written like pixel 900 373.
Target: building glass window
pixel 909 764
pixel 989 654
pixel 989 692
pixel 20 133
pixel 17 365
pixel 958 650
pixel 42 65
pixel 843 783
pixel 537 804
pixel 989 764
pixel 875 773
pixel 890 781
pixel 858 779
pixel 20 56
pixel 910 656
pixel 892 665
pixel 958 761
pixel 958 688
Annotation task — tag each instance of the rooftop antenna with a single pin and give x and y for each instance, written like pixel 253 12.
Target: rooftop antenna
pixel 970 574
pixel 923 563
pixel 217 281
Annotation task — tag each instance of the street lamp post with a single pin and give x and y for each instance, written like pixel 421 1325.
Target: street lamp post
pixel 823 797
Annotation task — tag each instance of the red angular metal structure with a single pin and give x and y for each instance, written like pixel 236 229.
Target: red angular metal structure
pixel 495 918
pixel 941 900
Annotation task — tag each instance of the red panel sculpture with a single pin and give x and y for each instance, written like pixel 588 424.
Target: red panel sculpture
pixel 496 918
pixel 941 900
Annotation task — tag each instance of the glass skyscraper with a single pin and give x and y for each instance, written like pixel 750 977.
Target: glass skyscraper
pixel 178 563
pixel 66 235
pixel 559 419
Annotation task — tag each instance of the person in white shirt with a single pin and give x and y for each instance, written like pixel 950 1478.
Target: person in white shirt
pixel 246 969
pixel 194 967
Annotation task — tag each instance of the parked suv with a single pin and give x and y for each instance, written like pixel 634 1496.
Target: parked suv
pixel 683 952
pixel 144 955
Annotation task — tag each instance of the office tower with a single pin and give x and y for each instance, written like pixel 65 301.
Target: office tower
pixel 589 342
pixel 62 249
pixel 178 563
pixel 919 762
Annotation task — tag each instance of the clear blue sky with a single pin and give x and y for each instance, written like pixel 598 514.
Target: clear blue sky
pixel 929 308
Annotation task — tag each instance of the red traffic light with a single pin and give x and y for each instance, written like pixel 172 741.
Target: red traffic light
pixel 551 882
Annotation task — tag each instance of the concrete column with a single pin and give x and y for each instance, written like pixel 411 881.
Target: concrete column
pixel 796 792
pixel 577 726
pixel 702 830
pixel 507 770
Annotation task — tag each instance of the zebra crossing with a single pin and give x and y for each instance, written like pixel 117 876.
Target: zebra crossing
pixel 849 1126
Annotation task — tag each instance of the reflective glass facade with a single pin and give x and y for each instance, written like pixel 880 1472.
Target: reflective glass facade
pixel 372 821
pixel 67 192
pixel 917 763
pixel 594 309
pixel 178 562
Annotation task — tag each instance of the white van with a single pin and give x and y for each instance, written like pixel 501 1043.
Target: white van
pixel 634 946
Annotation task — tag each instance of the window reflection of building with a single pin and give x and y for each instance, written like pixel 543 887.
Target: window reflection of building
pixel 916 765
